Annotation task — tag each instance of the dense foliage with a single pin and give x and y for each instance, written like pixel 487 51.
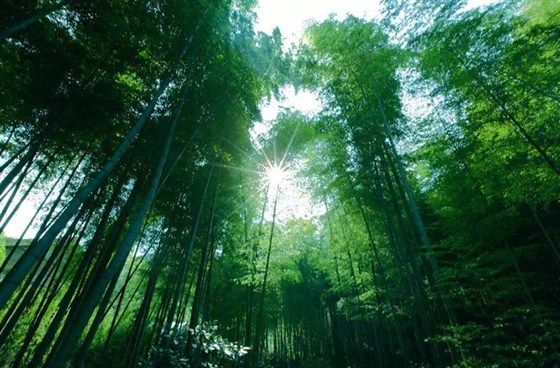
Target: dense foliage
pixel 433 170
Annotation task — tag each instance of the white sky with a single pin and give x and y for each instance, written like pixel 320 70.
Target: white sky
pixel 22 217
pixel 291 15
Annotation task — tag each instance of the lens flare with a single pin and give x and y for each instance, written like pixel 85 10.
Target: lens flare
pixel 275 175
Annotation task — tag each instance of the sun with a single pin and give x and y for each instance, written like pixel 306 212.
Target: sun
pixel 276 175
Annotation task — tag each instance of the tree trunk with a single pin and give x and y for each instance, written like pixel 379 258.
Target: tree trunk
pixel 25 160
pixel 510 116
pixel 66 344
pixel 260 316
pixel 21 25
pixel 35 214
pixel 23 197
pixel 142 314
pixel 13 191
pixel 10 283
pixel 198 291
pixel 12 158
pixel 183 271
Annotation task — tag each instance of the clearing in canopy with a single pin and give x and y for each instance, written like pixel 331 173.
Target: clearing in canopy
pixel 151 215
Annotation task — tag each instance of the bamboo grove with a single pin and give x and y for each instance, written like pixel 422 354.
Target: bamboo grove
pixel 433 168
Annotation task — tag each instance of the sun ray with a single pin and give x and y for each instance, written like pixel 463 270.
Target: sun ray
pixel 245 152
pixel 269 163
pixel 237 168
pixel 290 144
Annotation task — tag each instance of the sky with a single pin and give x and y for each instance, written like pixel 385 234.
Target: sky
pixel 291 15
pixel 20 220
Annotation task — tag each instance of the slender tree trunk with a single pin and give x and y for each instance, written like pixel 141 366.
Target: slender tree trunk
pixel 142 314
pixel 249 287
pixel 102 312
pixel 509 115
pixel 345 240
pixel 260 316
pixel 418 219
pixel 66 344
pixel 553 246
pixel 5 144
pixel 14 191
pixel 183 271
pixel 10 283
pixel 207 302
pixel 35 214
pixel 12 158
pixel 532 86
pixel 120 295
pixel 254 251
pixel 401 335
pixel 198 291
pixel 374 248
pixel 21 25
pixel 81 353
pixel 36 281
pixel 50 293
pixel 25 160
pixel 23 197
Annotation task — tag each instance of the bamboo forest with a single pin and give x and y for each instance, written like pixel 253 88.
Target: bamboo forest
pixel 154 214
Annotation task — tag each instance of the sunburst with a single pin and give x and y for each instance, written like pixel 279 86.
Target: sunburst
pixel 276 175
